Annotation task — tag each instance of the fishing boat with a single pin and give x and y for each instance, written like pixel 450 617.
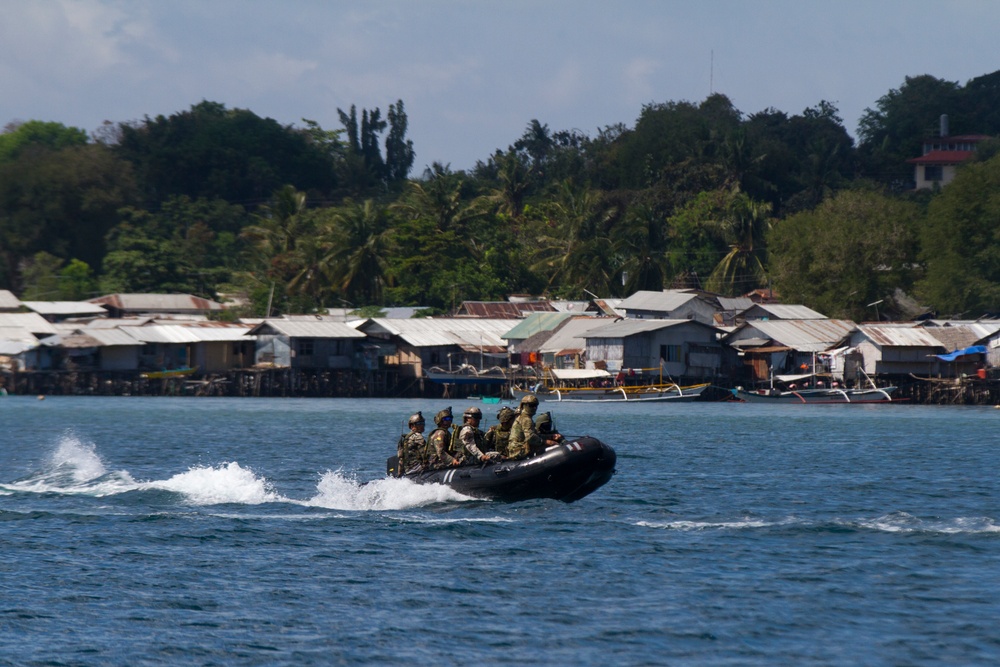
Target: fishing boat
pixel 831 395
pixel 567 472
pixel 467 374
pixel 585 385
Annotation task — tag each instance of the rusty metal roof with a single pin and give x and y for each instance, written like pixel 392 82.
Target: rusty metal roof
pixel 889 335
pixel 158 303
pixel 502 309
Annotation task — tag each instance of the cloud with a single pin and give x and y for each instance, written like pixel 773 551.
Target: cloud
pixel 636 80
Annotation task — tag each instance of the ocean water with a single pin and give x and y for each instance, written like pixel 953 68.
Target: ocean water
pixel 210 531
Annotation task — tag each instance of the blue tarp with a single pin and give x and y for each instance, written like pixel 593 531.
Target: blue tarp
pixel 952 356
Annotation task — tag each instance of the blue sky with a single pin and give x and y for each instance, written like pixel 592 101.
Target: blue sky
pixel 472 75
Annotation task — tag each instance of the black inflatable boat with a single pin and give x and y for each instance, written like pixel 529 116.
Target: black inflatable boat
pixel 567 472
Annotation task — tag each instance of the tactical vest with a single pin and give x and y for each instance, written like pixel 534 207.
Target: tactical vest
pixel 458 447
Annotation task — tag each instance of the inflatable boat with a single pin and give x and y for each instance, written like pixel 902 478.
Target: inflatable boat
pixel 567 472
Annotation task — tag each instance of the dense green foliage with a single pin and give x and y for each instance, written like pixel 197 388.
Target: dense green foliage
pixel 221 201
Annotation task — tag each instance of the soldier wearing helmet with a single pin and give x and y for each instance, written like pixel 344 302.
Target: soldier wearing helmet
pixel 547 430
pixel 524 437
pixel 498 435
pixel 439 442
pixel 469 441
pixel 412 448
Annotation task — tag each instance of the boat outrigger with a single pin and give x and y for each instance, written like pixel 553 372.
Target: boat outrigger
pixel 567 472
pixel 585 385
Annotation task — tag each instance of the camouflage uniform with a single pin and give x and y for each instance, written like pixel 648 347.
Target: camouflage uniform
pixel 412 452
pixel 498 435
pixel 473 442
pixel 524 437
pixel 439 442
pixel 546 430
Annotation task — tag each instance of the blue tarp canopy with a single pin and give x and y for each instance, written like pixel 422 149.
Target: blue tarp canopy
pixel 952 356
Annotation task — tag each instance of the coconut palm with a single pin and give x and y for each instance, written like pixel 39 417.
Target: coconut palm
pixel 358 243
pixel 744 227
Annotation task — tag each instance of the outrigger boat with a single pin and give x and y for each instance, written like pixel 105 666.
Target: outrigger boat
pixel 817 396
pixel 567 472
pixel 574 386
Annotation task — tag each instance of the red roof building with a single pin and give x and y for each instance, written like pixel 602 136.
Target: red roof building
pixel 941 157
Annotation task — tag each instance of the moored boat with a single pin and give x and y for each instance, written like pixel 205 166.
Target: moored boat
pixel 567 472
pixel 651 392
pixel 830 395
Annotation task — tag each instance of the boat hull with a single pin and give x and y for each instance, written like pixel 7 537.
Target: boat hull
pixel 616 394
pixel 566 472
pixel 819 396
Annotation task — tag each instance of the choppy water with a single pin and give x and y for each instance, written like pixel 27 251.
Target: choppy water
pixel 162 531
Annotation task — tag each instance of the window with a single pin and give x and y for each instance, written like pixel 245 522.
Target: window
pixel 933 172
pixel 305 347
pixel 670 353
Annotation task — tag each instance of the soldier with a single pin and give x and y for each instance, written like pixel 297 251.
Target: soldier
pixel 412 448
pixel 469 442
pixel 547 430
pixel 499 434
pixel 523 435
pixel 439 442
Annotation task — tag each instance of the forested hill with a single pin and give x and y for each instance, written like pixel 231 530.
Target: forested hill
pixel 216 201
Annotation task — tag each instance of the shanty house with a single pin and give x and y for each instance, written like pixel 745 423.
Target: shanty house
pixel 669 305
pixel 675 348
pixel 771 348
pixel 305 344
pixel 416 345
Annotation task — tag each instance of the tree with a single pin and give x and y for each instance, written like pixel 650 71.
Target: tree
pixel 359 249
pixel 218 153
pixel 892 133
pixel 961 244
pixel 36 134
pixel 62 202
pixel 854 249
pixel 744 228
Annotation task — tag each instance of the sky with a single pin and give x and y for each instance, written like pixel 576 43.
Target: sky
pixel 473 74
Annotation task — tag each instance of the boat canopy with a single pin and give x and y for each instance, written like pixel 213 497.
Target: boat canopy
pixel 579 373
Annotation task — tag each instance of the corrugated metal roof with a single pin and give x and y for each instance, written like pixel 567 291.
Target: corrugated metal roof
pixel 664 301
pixel 117 323
pixel 66 308
pixel 536 322
pixel 783 311
pixel 430 332
pixel 573 307
pixel 502 309
pixel 111 337
pixel 804 335
pixel 12 348
pixel 33 322
pixel 17 334
pixel 158 333
pixel 898 336
pixel 8 301
pixel 307 329
pixel 624 328
pixel 570 335
pixel 735 303
pixel 158 303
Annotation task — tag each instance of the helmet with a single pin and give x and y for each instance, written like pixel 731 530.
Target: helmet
pixel 416 419
pixel 505 414
pixel 530 399
pixel 443 415
pixel 544 423
pixel 473 412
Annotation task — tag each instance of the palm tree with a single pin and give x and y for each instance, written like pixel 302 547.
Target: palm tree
pixel 642 241
pixel 577 253
pixel 358 242
pixel 744 228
